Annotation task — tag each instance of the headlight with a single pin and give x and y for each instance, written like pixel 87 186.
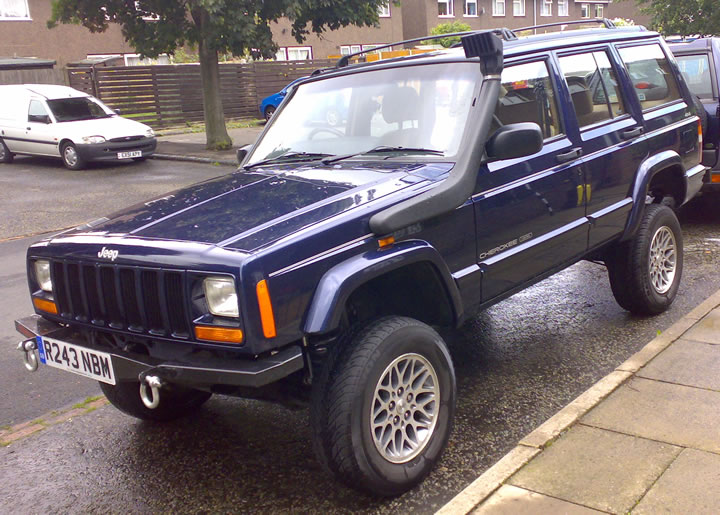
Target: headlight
pixel 93 139
pixel 150 133
pixel 221 296
pixel 42 275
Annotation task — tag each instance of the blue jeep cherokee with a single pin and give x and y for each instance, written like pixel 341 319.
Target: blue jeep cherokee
pixel 321 268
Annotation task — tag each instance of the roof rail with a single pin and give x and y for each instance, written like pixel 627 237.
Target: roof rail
pixel 604 21
pixel 503 33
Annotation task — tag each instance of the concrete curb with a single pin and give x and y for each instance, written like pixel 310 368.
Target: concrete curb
pixel 194 159
pixel 533 444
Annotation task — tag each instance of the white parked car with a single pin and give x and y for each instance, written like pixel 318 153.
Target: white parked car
pixel 58 121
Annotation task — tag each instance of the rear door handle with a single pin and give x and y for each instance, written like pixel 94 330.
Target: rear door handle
pixel 631 133
pixel 569 156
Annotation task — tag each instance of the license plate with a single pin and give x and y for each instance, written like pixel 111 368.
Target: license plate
pixel 129 155
pixel 73 358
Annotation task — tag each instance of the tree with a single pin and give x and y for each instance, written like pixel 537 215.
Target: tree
pixel 236 27
pixel 448 28
pixel 683 17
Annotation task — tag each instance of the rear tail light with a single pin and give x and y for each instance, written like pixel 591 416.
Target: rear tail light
pixel 700 141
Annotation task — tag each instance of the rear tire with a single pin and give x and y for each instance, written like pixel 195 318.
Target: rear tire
pixel 645 272
pixel 71 158
pixel 175 402
pixel 5 154
pixel 383 405
pixel 269 112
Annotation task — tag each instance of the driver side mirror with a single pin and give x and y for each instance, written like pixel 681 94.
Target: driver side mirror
pixel 242 153
pixel 40 118
pixel 514 140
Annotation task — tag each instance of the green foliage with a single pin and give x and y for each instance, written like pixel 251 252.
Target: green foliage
pixel 447 28
pixel 683 17
pixel 623 22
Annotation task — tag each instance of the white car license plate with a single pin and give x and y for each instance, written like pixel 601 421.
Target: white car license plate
pixel 73 358
pixel 129 155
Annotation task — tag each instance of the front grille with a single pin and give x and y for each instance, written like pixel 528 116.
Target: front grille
pixel 140 300
pixel 126 138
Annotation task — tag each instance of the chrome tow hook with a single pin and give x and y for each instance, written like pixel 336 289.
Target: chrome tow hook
pixel 30 359
pixel 150 391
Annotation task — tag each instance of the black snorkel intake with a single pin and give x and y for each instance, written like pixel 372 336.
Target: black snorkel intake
pixel 458 187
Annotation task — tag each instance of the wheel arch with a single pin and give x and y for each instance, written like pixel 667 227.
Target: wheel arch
pixel 408 279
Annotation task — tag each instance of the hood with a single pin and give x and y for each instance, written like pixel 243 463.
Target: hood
pixel 108 128
pixel 246 210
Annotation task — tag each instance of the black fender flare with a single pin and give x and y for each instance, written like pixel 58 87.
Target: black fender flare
pixel 647 170
pixel 338 283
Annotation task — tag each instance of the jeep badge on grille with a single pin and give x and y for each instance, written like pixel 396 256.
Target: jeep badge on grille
pixel 108 253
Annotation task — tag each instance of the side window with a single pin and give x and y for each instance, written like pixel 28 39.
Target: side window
pixel 650 74
pixel 527 95
pixel 696 70
pixel 37 112
pixel 593 87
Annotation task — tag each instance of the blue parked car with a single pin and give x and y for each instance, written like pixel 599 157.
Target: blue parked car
pixel 269 104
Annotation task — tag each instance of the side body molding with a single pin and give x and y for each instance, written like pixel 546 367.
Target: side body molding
pixel 649 167
pixel 338 283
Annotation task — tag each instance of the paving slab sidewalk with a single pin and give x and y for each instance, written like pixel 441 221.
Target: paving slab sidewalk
pixel 645 439
pixel 191 146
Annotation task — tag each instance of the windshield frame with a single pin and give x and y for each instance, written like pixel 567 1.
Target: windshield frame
pixel 252 161
pixel 109 113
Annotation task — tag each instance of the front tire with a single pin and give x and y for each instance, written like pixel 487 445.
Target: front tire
pixel 645 272
pixel 383 406
pixel 175 402
pixel 5 154
pixel 71 158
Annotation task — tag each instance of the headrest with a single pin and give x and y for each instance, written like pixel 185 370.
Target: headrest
pixel 400 104
pixel 580 94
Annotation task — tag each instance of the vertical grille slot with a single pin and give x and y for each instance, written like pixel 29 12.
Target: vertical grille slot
pixel 175 298
pixel 61 293
pixel 130 300
pixel 114 316
pixel 76 295
pixel 151 299
pixel 92 293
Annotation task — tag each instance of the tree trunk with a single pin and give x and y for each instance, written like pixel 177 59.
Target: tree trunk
pixel 215 130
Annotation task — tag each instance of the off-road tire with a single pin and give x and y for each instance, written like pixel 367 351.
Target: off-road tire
pixel 5 154
pixel 70 157
pixel 629 264
pixel 175 402
pixel 344 394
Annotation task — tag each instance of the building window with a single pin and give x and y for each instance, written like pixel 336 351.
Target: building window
pixel 546 8
pixel 294 53
pixel 584 10
pixel 471 8
pixel 563 9
pixel 599 8
pixel 498 7
pixel 518 7
pixel 384 11
pixel 14 10
pixel 445 8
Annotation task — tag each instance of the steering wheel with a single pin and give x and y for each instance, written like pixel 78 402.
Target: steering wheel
pixel 332 131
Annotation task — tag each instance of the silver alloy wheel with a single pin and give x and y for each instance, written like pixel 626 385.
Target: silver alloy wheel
pixel 663 259
pixel 2 151
pixel 70 154
pixel 405 408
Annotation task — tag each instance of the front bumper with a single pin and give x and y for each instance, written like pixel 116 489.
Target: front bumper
pixel 203 373
pixel 108 151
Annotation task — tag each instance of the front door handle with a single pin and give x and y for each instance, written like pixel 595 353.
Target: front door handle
pixel 569 156
pixel 631 133
pixel 29 128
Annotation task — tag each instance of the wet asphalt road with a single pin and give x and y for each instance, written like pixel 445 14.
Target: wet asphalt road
pixel 517 364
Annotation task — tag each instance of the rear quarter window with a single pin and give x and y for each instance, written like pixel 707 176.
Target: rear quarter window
pixel 696 70
pixel 651 76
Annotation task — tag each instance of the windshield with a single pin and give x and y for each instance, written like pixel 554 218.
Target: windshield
pixel 421 109
pixel 74 109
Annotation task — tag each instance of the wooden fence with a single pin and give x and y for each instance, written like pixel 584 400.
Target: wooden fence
pixel 38 76
pixel 168 95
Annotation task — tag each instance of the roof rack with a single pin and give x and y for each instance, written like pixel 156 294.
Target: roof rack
pixel 506 34
pixel 604 21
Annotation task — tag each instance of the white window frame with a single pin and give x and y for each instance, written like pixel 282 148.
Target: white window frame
pixel 498 7
pixel 384 10
pixel 546 8
pixel 351 49
pixel 449 8
pixel 586 8
pixel 298 48
pixel 563 8
pixel 22 17
pixel 466 12
pixel 599 10
pixel 518 7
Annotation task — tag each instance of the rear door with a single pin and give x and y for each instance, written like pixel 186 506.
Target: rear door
pixel 530 212
pixel 611 136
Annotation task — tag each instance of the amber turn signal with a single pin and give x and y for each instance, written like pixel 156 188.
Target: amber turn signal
pixel 47 306
pixel 386 242
pixel 218 334
pixel 266 311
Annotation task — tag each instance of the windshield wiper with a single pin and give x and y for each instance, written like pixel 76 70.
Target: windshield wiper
pixel 288 156
pixel 385 149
